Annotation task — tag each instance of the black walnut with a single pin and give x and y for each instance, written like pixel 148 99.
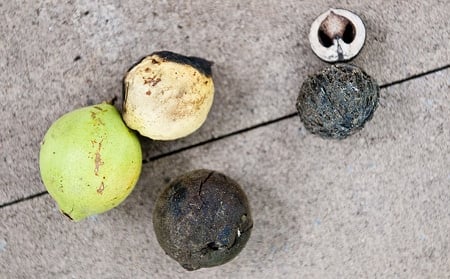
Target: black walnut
pixel 337 101
pixel 202 219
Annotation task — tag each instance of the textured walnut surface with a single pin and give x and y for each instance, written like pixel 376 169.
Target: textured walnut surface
pixel 337 101
pixel 202 219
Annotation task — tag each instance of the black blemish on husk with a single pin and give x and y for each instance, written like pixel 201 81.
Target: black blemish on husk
pixel 200 64
pixel 337 101
pixel 202 219
pixel 67 215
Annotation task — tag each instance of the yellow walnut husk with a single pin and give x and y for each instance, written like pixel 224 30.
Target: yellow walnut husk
pixel 165 100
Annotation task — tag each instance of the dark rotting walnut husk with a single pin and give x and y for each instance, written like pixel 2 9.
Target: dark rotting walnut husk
pixel 202 219
pixel 337 101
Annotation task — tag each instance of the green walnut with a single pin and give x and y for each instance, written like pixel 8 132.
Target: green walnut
pixel 168 95
pixel 202 219
pixel 90 161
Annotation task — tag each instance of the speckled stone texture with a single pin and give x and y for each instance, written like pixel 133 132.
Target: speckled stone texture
pixel 375 205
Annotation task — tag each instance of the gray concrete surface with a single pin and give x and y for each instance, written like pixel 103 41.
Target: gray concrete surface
pixel 373 206
pixel 260 50
pixel 376 205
